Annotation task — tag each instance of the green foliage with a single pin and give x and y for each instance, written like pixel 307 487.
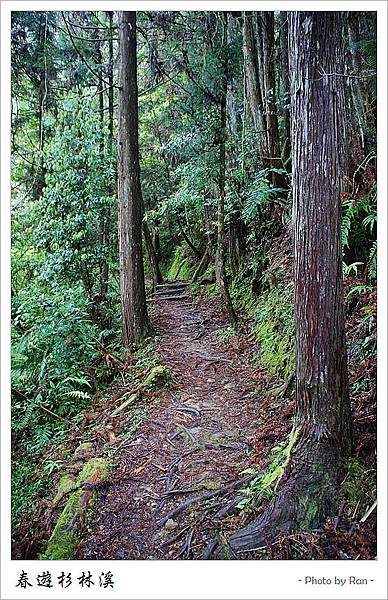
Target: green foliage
pixel 242 294
pixel 56 258
pixel 51 338
pixel 353 268
pixel 266 483
pixel 76 200
pixel 226 333
pixel 259 195
pixel 275 330
pixel 358 230
pixel 359 486
pixel 25 486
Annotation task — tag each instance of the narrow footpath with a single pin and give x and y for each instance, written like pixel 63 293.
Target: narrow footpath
pixel 177 476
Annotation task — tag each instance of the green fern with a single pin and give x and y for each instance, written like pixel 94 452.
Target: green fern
pixel 77 395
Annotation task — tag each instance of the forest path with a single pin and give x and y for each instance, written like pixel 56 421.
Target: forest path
pixel 194 440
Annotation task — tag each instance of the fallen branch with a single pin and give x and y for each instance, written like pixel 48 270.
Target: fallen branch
pixel 212 358
pixel 222 445
pixel 50 412
pixel 368 512
pixel 133 397
pixel 177 492
pixel 208 552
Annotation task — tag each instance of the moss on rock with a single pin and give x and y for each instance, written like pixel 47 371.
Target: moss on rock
pixel 66 483
pixel 67 531
pixel 157 378
pixel 181 267
pixel 275 330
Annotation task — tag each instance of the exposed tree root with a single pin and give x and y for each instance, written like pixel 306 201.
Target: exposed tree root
pixel 223 490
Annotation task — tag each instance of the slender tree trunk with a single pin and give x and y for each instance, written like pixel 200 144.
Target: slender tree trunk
pixel 266 29
pixel 285 78
pixel 40 175
pixel 187 239
pixel 234 228
pixel 254 88
pixel 104 270
pixel 157 276
pixel 220 257
pixel 308 490
pixel 110 80
pixel 134 318
pixel 355 85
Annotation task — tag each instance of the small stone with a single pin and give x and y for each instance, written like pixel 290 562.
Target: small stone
pixel 210 380
pixel 171 524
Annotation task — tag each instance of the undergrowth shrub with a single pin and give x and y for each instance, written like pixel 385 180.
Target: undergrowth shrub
pixel 52 337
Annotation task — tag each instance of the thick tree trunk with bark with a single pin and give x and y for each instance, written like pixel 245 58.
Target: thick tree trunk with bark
pixel 308 489
pixel 133 304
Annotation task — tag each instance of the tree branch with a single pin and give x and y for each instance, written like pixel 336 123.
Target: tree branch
pixel 81 55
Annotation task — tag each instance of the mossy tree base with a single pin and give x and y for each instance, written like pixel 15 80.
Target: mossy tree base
pixel 307 495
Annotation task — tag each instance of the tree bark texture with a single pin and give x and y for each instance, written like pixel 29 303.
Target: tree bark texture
pixel 318 136
pixel 133 304
pixel 307 492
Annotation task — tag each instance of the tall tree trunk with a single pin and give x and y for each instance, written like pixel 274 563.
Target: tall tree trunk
pixel 110 80
pixel 42 92
pixel 104 270
pixel 266 29
pixel 254 88
pixel 134 316
pixel 285 78
pixel 234 229
pixel 308 490
pixel 221 280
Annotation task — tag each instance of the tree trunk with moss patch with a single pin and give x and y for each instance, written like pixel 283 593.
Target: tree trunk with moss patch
pixel 308 490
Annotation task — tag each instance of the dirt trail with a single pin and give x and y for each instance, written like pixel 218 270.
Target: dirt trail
pixel 195 439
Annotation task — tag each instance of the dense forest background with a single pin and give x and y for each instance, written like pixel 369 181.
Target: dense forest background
pixel 215 151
